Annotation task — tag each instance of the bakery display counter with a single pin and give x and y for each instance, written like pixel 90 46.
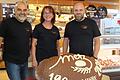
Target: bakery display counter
pixel 111 66
pixel 2 65
pixel 113 73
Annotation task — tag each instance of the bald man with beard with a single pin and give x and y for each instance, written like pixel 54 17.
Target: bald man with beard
pixel 81 33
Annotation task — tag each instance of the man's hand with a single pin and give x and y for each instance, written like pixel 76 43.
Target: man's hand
pixel 1 42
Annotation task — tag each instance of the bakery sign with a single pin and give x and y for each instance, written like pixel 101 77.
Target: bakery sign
pixel 69 67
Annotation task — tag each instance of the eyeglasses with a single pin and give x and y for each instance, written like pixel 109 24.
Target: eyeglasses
pixel 47 13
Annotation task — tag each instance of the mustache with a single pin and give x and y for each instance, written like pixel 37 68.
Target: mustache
pixel 22 14
pixel 78 14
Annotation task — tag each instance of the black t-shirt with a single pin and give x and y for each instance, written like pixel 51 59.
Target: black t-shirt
pixel 81 36
pixel 46 41
pixel 16 40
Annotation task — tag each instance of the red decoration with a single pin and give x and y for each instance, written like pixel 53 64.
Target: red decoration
pixel 118 21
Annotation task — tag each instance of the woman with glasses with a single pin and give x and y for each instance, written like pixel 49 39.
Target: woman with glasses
pixel 45 41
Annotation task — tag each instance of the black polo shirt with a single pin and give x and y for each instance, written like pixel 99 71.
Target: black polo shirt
pixel 81 36
pixel 46 41
pixel 16 40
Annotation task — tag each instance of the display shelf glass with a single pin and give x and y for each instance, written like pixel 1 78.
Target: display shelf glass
pixel 110 30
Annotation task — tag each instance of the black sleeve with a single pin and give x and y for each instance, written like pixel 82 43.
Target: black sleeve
pixel 3 28
pixel 35 33
pixel 30 36
pixel 58 37
pixel 96 31
pixel 30 31
pixel 66 33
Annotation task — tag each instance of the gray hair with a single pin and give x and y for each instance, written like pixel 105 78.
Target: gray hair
pixel 21 2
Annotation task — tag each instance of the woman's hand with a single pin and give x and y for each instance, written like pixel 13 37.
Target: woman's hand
pixel 34 63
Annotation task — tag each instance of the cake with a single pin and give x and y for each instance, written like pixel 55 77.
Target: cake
pixel 69 67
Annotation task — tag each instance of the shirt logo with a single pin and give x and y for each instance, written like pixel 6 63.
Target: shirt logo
pixel 53 32
pixel 27 29
pixel 84 27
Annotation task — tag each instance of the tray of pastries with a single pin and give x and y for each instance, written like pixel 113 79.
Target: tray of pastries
pixel 111 61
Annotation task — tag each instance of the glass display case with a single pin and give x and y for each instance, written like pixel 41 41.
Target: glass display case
pixel 110 38
pixel 109 54
pixel 8 10
pixel 110 29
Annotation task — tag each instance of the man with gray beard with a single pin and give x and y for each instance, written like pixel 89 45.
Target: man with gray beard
pixel 15 33
pixel 80 34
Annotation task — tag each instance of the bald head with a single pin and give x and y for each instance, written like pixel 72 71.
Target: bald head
pixel 19 3
pixel 79 11
pixel 80 4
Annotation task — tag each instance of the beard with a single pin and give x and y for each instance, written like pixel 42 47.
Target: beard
pixel 21 17
pixel 79 17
